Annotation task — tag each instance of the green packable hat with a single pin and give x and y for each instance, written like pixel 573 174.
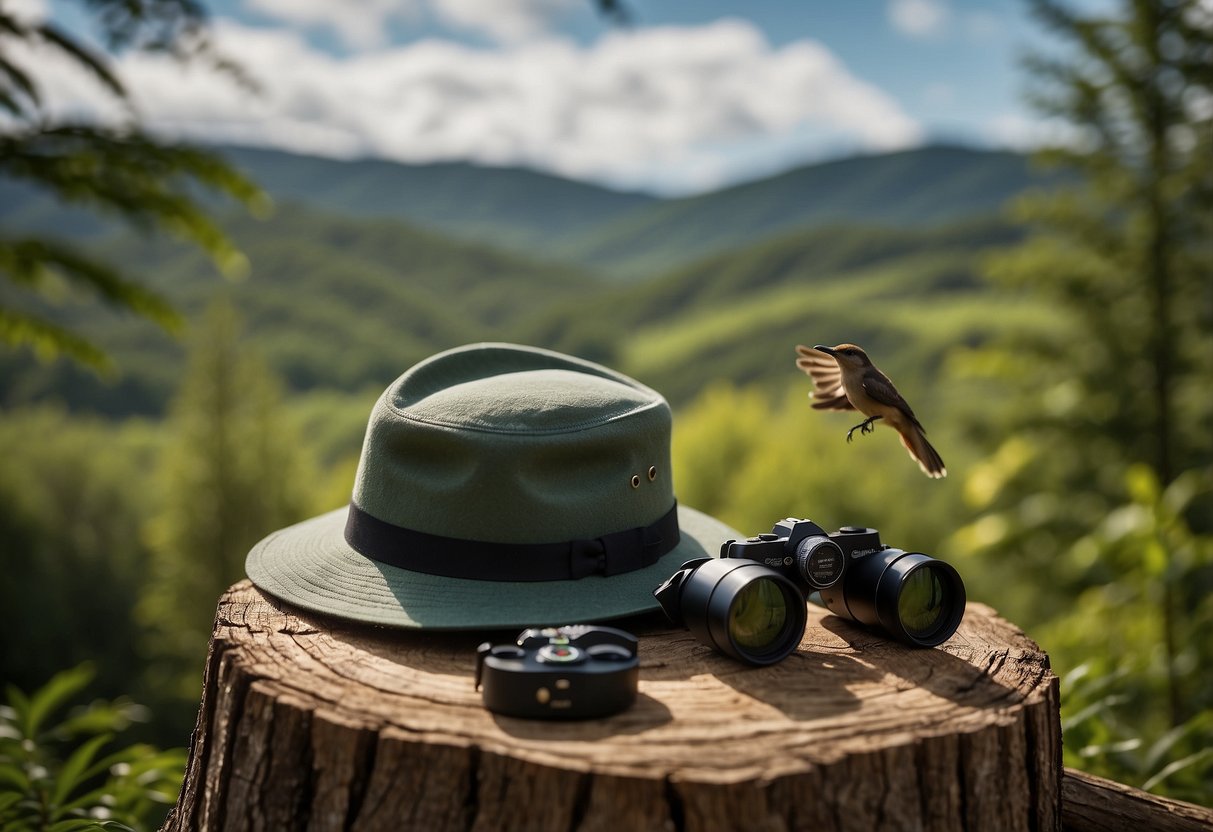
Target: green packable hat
pixel 499 486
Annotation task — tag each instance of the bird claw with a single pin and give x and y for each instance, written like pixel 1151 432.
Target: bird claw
pixel 863 427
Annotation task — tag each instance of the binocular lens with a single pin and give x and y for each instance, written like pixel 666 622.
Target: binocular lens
pixel 741 607
pixel 922 604
pixel 911 596
pixel 758 615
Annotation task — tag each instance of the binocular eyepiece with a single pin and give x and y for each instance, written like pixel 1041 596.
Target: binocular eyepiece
pixel 750 602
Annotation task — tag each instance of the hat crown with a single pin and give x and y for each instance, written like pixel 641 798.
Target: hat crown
pixel 523 402
pixel 509 444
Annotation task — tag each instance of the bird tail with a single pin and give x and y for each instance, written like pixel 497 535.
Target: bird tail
pixel 921 450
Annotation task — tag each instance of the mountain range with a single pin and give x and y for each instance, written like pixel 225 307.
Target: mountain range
pixel 367 266
pixel 636 235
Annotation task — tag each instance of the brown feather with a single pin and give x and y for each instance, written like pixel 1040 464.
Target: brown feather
pixel 877 385
pixel 922 452
pixel 828 393
pixel 836 403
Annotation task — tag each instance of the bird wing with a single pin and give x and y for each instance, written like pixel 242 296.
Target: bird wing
pixel 828 393
pixel 877 385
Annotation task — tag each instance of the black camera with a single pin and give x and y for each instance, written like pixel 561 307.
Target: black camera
pixel 575 672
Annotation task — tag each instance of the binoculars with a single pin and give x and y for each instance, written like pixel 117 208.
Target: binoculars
pixel 750 602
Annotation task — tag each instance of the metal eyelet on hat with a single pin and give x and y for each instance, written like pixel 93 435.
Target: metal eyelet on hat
pixel 635 480
pixel 652 472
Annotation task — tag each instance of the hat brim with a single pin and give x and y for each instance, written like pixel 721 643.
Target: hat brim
pixel 311 566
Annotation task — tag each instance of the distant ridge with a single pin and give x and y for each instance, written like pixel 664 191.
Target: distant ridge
pixel 633 235
pixel 513 207
pixel 913 188
pixel 624 235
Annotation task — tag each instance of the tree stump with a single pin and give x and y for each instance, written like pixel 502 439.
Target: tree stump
pixel 310 723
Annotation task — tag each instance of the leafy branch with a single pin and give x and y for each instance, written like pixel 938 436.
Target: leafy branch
pixel 118 171
pixel 58 776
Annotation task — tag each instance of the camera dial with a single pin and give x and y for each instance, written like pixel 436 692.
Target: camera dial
pixel 800 550
pixel 559 654
pixel 820 561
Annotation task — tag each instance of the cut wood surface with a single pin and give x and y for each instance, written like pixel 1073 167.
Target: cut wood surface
pixel 308 722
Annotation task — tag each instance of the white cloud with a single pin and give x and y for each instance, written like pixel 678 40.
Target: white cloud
pixel 1018 131
pixel 360 24
pixel 918 18
pixel 28 11
pixel 669 109
pixel 506 21
pixel 364 24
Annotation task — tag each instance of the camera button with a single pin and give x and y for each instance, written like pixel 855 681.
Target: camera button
pixel 560 653
pixel 768 536
pixel 543 696
pixel 562 684
pixel 506 651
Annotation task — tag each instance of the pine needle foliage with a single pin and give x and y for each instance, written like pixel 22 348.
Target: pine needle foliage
pixel 1104 414
pixel 115 170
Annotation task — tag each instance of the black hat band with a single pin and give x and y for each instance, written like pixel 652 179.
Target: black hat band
pixel 452 557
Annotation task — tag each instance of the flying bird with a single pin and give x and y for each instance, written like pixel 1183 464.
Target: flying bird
pixel 844 378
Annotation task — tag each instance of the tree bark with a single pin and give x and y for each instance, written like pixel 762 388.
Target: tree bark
pixel 1093 804
pixel 309 723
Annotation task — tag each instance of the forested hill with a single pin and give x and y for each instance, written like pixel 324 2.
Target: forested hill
pixel 366 267
pixel 634 235
pixel 616 233
pixel 512 207
pixel 910 189
pixel 332 302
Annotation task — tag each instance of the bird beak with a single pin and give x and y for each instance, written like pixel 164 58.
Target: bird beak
pixel 824 348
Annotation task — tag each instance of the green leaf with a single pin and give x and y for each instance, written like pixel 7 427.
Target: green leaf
pixel 1161 746
pixel 55 694
pixel 50 340
pixel 72 773
pixel 1142 485
pixel 32 253
pixel 14 776
pixel 1154 557
pixel 1177 766
pixel 17 700
pixel 1118 747
pixel 98 717
pixel 148 184
pixel 87 825
pixel 129 756
pixel 1075 676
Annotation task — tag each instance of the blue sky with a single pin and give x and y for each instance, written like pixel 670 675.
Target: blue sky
pixel 693 95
